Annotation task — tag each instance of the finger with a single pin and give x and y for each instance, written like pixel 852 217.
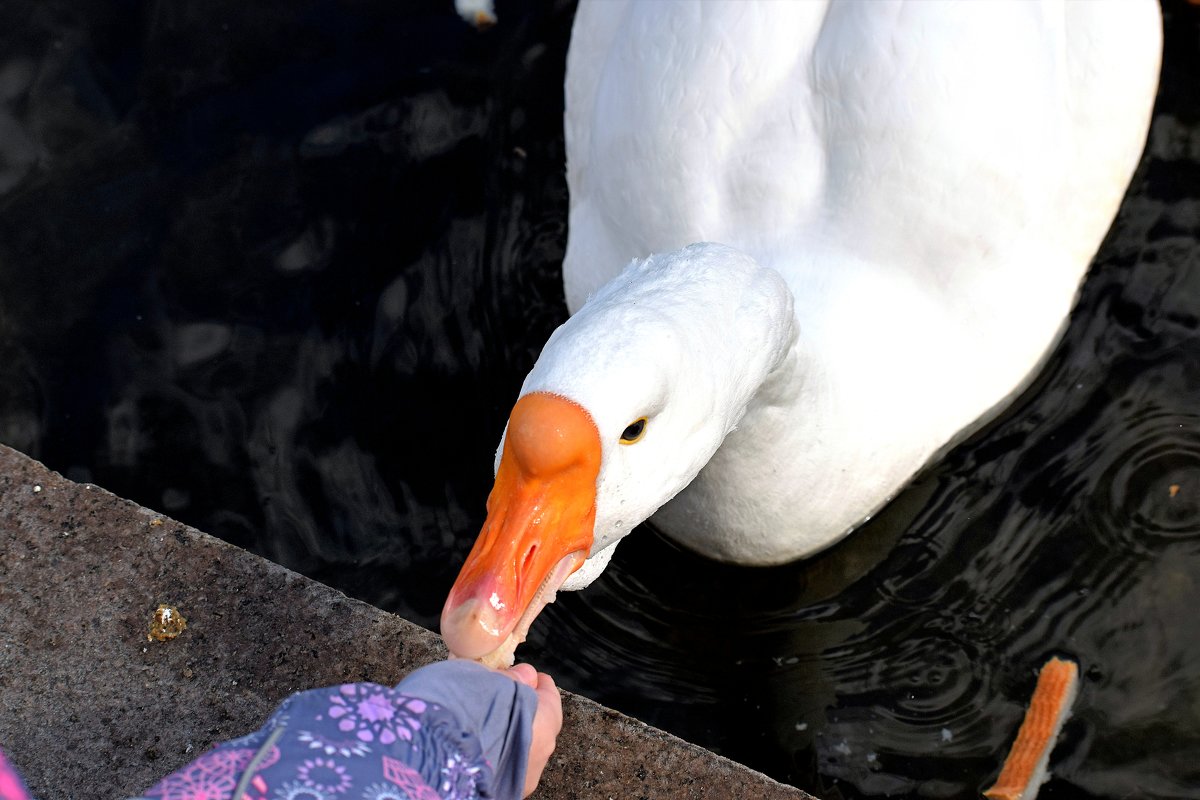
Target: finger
pixel 524 673
pixel 549 700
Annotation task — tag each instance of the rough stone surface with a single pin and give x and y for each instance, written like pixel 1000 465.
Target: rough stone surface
pixel 91 707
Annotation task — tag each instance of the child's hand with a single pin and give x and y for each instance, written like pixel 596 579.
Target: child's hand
pixel 547 721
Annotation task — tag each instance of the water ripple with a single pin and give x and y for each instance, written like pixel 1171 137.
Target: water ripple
pixel 1150 492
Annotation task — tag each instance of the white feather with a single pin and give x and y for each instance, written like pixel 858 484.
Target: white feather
pixel 930 179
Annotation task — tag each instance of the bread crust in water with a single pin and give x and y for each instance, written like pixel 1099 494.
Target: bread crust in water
pixel 1025 768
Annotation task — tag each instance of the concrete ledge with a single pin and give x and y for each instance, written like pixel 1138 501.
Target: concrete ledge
pixel 90 707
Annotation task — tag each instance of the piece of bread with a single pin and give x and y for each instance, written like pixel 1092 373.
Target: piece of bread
pixel 1025 768
pixel 503 656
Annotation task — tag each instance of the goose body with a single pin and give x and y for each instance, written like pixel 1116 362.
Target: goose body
pixel 855 228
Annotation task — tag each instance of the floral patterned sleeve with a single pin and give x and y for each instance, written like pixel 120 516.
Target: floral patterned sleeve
pixel 363 741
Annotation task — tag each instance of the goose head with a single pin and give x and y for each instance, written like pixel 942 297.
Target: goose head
pixel 627 402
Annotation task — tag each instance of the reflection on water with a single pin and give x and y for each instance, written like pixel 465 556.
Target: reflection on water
pixel 279 272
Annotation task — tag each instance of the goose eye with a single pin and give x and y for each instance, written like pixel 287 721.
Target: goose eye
pixel 634 431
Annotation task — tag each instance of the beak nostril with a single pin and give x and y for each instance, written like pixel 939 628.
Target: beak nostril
pixel 528 559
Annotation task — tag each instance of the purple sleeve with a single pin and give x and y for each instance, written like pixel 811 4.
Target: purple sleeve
pixel 362 740
pixel 498 709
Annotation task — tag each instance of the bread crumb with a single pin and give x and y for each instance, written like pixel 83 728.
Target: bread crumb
pixel 167 623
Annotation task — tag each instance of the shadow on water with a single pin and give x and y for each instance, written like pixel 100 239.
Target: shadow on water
pixel 278 271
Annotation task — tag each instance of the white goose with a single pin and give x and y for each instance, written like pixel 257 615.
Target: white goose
pixel 907 196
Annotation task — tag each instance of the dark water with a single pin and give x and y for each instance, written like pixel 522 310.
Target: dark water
pixel 278 268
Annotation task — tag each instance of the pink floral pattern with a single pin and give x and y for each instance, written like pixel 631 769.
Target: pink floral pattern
pixel 212 776
pixel 373 713
pixel 353 742
pixel 408 779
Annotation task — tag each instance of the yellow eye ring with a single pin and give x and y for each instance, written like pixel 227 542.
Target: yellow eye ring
pixel 634 431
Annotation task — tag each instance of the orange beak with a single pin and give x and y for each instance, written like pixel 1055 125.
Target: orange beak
pixel 539 528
